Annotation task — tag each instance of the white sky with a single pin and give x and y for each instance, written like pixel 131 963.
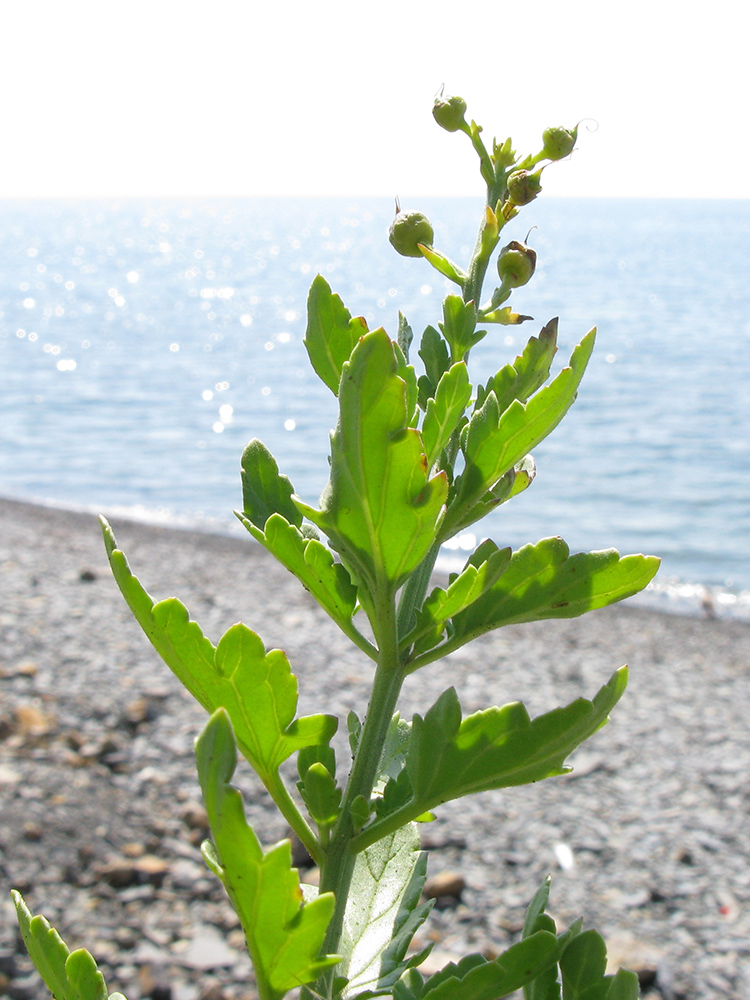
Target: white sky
pixel 237 97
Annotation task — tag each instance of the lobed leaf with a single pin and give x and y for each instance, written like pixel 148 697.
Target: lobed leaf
pixel 313 565
pixel 494 440
pixel 445 411
pixel 483 568
pixel 476 978
pixel 527 373
pixel 331 333
pixel 380 511
pixel 383 914
pixel 544 581
pixel 256 687
pixel 284 934
pixel 264 490
pixel 515 481
pixel 433 351
pixel 498 747
pixel 67 975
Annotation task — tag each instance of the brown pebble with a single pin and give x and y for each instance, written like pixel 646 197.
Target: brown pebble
pixel 444 884
pixel 87 576
pixel 32 831
pixel 212 992
pixel 133 850
pixel 31 721
pixel 137 711
pixel 118 873
pixel 151 869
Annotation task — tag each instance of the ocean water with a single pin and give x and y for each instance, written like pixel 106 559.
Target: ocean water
pixel 143 343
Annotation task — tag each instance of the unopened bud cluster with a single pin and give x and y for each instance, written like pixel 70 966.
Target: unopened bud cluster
pixel 512 182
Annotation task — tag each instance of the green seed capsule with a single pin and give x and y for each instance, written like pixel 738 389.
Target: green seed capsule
pixel 523 186
pixel 449 113
pixel 409 229
pixel 559 142
pixel 516 264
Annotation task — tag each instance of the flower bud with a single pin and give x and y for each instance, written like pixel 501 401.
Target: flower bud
pixel 558 142
pixel 409 229
pixel 516 264
pixel 449 113
pixel 523 186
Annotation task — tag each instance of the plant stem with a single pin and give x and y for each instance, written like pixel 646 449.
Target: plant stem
pixel 336 873
pixel 414 591
pixel 288 809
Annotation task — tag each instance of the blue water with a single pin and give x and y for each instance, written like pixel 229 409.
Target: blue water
pixel 143 343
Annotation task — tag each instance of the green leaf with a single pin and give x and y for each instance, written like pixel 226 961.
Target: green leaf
pixel 544 581
pixel 526 374
pixel 515 481
pixel 379 510
pixel 445 411
pixel 264 490
pixel 504 316
pixel 406 372
pixel 331 333
pixel 498 747
pixel 483 568
pixel 583 965
pixel 475 978
pixel 544 986
pixel 321 795
pixel 393 756
pixel 459 326
pixel 314 566
pixel 405 335
pixel 284 935
pixel 256 687
pixel 495 440
pixel 433 351
pixel 443 264
pixel 67 975
pixel 624 985
pixel 383 914
pixel 536 907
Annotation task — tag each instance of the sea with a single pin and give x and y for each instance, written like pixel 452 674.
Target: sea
pixel 144 342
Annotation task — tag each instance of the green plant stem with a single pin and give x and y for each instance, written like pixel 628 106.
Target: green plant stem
pixel 386 826
pixel 337 869
pixel 288 809
pixel 414 591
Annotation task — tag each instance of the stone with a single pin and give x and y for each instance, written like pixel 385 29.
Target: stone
pixel 447 883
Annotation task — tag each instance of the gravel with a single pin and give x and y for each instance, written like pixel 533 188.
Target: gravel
pixel 101 820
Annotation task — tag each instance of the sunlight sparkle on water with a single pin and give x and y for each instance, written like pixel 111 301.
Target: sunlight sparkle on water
pixel 466 542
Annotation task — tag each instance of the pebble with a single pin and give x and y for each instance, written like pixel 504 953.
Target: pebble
pixel 444 884
pixel 654 813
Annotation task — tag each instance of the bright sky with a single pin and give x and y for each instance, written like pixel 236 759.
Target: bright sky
pixel 240 97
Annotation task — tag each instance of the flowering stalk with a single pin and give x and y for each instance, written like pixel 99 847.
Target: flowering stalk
pixel 415 459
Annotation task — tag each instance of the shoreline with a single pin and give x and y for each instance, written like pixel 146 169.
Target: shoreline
pixel 669 596
pixel 96 762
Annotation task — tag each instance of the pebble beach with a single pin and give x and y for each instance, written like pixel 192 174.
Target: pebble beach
pixel 101 822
